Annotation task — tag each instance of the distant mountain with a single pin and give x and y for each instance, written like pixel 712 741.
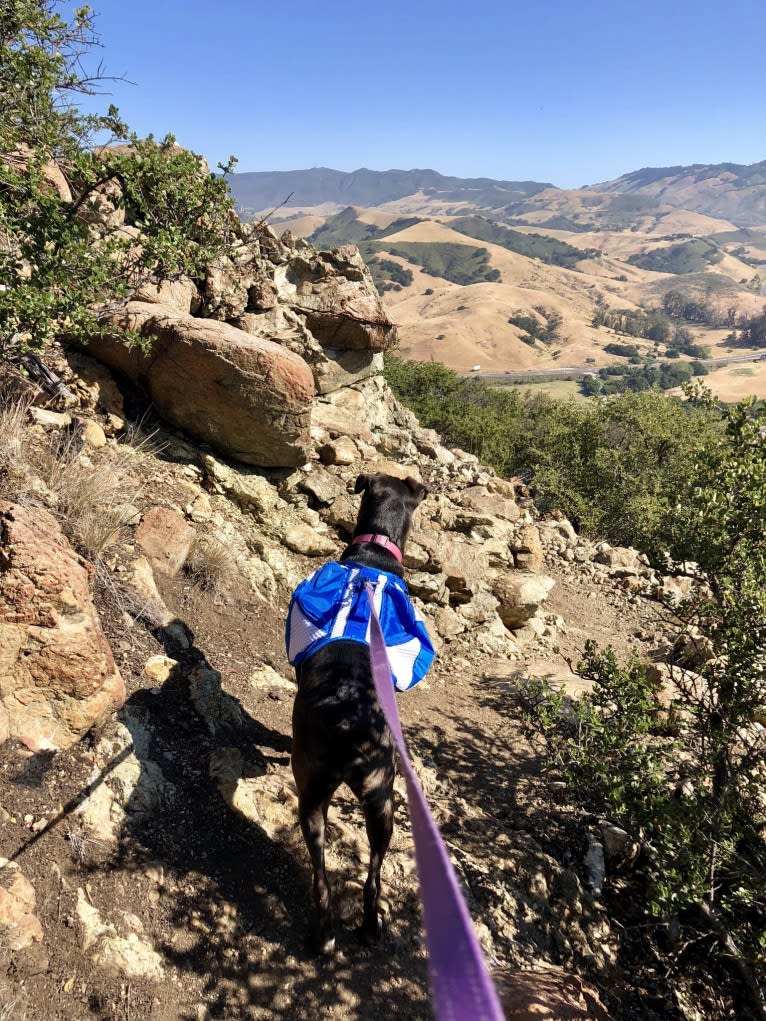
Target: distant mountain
pixel 268 189
pixel 727 191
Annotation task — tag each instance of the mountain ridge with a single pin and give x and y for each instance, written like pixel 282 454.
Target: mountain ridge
pixel 266 189
pixel 731 191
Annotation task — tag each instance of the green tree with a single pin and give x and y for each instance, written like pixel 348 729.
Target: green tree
pixel 59 264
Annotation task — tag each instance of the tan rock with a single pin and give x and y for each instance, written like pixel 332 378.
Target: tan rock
pixel 246 396
pixel 342 514
pixel 323 487
pixel 342 368
pixel 527 549
pixel 142 581
pixel 19 926
pixel 251 491
pixel 57 673
pixel 674 682
pixel 92 433
pixel 100 383
pixel 181 294
pixel 335 293
pixel 520 595
pixel 480 500
pixel 301 538
pixel 50 419
pixel 621 561
pixel 166 538
pixel 159 668
pixel 342 451
pixel 547 993
pixel 130 955
pixel 675 590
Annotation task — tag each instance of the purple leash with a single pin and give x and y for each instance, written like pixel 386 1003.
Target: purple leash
pixel 461 986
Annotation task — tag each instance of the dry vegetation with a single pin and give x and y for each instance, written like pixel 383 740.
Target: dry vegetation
pixel 464 326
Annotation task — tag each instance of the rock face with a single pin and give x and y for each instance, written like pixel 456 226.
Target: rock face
pixel 57 672
pixel 248 397
pixel 236 363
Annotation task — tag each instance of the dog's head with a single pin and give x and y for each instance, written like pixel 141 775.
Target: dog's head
pixel 388 504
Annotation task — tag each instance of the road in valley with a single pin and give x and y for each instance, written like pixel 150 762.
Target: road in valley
pixel 576 372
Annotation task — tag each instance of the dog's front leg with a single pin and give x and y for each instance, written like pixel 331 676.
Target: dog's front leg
pixel 313 820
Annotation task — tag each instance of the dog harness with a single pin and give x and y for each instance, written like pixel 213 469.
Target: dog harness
pixel 332 605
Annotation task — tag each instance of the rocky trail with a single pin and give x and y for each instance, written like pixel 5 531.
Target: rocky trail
pixel 155 867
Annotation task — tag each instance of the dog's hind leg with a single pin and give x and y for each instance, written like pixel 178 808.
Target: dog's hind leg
pixel 378 808
pixel 313 819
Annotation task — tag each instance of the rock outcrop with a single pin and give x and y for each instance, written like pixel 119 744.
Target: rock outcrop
pixel 248 397
pixel 57 673
pixel 236 361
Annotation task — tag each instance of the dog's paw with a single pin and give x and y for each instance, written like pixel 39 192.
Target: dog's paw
pixel 370 933
pixel 322 945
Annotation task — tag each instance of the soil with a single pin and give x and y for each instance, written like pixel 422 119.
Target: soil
pixel 225 906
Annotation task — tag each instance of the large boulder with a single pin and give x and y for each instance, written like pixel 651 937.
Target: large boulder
pixel 246 396
pixel 57 673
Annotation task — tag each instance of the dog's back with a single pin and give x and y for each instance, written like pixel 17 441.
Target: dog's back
pixel 339 731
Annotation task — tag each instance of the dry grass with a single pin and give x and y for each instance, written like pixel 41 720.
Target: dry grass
pixel 13 441
pixel 95 491
pixel 210 565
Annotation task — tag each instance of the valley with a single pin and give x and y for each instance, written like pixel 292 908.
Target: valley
pixel 548 278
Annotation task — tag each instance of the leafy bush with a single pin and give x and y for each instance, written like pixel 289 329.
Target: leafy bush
pixel 533 246
pixel 622 350
pixel 615 467
pixel 389 275
pixel 693 256
pixel 753 331
pixel 60 265
pixel 693 795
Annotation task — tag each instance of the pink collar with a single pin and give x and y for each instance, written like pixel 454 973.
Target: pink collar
pixel 380 540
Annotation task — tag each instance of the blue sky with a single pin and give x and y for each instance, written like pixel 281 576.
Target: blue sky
pixel 565 91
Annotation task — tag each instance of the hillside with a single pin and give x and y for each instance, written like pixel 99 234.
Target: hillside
pixel 728 191
pixel 724 191
pixel 305 188
pixel 461 263
pixel 459 286
pixel 162 849
pixel 190 408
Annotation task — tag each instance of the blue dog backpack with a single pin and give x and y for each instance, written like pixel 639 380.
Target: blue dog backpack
pixel 332 604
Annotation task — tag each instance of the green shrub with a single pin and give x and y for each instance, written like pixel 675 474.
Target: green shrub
pixel 614 467
pixel 56 273
pixel 461 264
pixel 533 246
pixel 687 781
pixel 693 256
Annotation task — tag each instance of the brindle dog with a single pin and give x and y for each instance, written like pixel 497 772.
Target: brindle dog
pixel 339 732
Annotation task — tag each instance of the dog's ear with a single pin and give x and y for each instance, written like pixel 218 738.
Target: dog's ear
pixel 362 483
pixel 418 490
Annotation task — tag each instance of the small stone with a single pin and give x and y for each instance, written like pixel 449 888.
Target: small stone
pixel 92 433
pixel 159 668
pixel 52 419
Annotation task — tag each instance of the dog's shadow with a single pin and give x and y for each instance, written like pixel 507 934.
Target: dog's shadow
pixel 218 842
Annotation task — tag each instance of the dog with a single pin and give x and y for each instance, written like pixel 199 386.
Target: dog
pixel 339 731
